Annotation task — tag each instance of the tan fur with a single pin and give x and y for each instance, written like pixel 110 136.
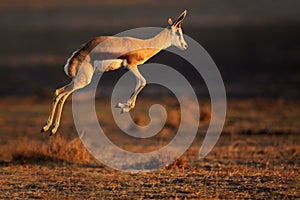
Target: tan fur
pixel 139 57
pixel 82 55
pixel 107 53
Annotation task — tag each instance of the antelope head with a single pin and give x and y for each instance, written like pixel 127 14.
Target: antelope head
pixel 175 32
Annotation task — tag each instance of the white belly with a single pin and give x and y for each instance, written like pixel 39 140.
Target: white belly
pixel 108 65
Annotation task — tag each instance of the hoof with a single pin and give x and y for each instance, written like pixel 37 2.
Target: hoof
pixel 52 132
pixel 121 105
pixel 45 128
pixel 125 107
pixel 124 110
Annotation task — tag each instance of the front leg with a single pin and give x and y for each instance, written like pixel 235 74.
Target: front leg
pixel 140 84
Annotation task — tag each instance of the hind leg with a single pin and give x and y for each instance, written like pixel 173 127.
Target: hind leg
pixel 61 102
pixel 59 93
pixel 82 79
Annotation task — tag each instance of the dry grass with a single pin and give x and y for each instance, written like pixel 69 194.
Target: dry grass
pixel 257 156
pixel 57 149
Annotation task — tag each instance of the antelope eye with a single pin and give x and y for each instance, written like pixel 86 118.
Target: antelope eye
pixel 177 33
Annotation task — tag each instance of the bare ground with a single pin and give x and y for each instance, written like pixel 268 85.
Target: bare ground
pixel 257 156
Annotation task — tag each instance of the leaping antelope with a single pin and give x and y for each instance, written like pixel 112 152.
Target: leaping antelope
pixel 80 68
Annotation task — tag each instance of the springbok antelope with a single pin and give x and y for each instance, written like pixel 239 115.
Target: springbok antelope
pixel 132 52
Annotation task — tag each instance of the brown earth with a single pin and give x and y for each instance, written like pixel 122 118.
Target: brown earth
pixel 257 155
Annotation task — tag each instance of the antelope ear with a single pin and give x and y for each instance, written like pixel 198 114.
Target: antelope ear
pixel 170 22
pixel 178 21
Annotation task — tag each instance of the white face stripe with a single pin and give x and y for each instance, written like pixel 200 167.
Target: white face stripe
pixel 182 41
pixel 177 38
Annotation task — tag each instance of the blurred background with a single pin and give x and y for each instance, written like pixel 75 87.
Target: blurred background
pixel 255 44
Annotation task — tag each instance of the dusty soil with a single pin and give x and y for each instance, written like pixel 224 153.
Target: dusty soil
pixel 257 156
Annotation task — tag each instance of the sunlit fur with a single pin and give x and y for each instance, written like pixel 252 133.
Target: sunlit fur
pixel 80 67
